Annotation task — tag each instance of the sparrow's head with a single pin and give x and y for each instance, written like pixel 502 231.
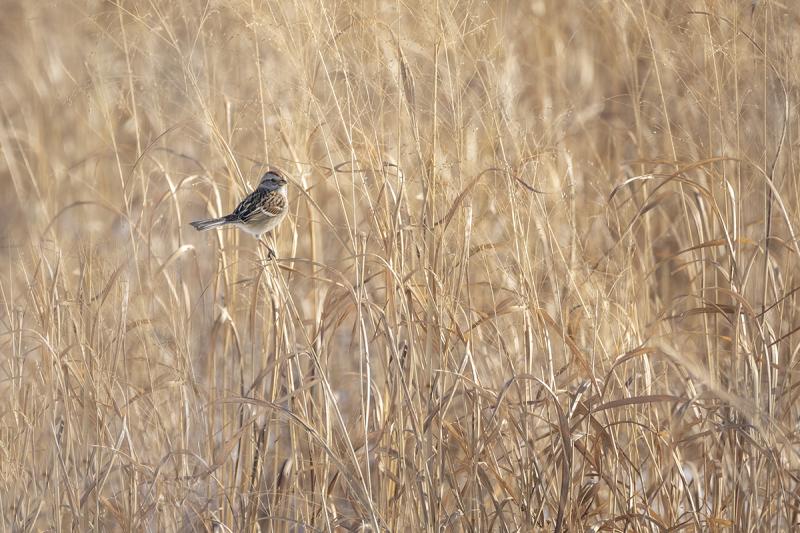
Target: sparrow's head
pixel 273 180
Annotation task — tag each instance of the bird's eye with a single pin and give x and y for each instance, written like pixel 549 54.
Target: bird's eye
pixel 273 176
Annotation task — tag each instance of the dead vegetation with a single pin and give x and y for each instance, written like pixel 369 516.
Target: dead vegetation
pixel 539 271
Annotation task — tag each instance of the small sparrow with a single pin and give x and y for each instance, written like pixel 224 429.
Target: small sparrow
pixel 261 210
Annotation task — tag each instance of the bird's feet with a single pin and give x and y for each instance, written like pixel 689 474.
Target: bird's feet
pixel 271 256
pixel 270 252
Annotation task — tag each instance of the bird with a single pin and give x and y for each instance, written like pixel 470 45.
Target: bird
pixel 260 212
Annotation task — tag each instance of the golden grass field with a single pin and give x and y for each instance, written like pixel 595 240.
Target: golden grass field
pixel 539 273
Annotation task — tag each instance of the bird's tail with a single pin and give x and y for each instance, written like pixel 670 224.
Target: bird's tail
pixel 202 225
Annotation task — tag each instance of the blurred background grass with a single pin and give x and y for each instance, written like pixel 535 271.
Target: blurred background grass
pixel 539 269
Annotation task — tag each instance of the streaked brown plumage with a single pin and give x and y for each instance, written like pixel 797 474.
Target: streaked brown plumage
pixel 261 210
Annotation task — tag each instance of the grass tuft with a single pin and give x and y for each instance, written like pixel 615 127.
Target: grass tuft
pixel 538 272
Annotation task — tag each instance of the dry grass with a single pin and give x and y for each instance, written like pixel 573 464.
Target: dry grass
pixel 540 270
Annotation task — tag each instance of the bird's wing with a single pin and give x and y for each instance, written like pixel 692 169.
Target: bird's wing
pixel 274 204
pixel 248 206
pixel 260 203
